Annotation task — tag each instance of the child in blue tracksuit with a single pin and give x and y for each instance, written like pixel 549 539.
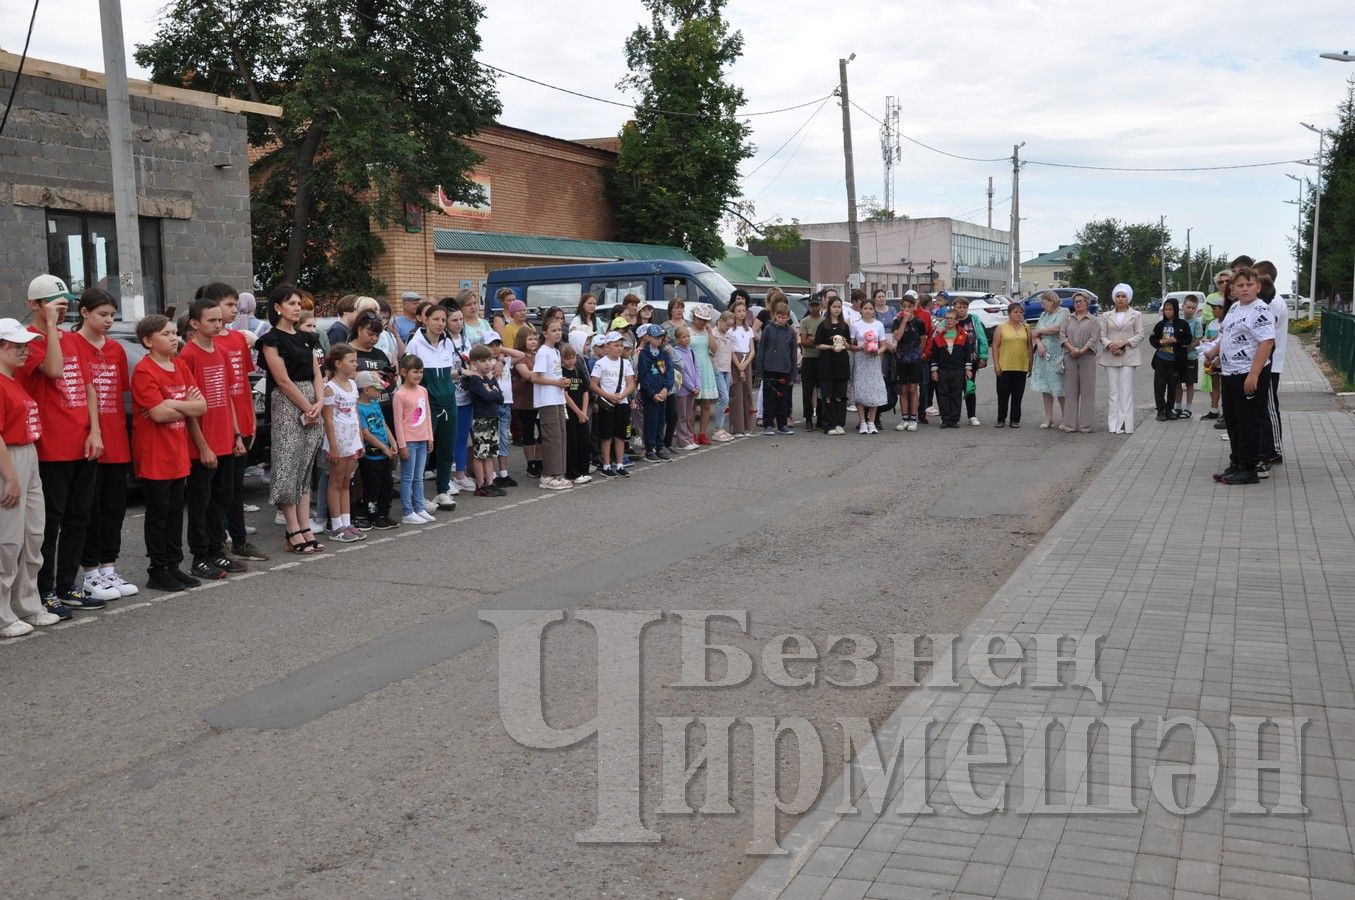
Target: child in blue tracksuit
pixel 654 371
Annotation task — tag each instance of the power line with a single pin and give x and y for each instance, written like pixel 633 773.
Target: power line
pixel 783 146
pixel 18 73
pixel 664 112
pixel 1057 165
pixel 781 171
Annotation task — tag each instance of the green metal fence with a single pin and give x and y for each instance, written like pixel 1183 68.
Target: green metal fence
pixel 1337 340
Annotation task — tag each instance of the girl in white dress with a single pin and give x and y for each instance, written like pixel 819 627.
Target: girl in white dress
pixel 343 438
pixel 869 340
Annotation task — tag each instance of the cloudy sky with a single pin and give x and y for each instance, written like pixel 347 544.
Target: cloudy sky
pixel 1154 84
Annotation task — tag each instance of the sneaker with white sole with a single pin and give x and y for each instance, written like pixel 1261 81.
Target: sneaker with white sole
pixel 96 586
pixel 17 628
pixel 279 520
pixel 902 426
pixel 851 407
pixel 412 519
pixel 555 484
pixel 346 535
pixel 444 501
pixel 251 508
pixel 42 619
pixel 912 426
pixel 863 428
pixel 466 484
pixel 427 516
pixel 583 479
pixel 120 584
pixel 429 506
pixel 974 420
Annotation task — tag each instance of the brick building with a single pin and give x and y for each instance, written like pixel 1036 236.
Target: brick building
pixel 546 204
pixel 56 190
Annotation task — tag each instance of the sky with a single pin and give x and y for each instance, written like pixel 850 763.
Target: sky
pixel 1152 84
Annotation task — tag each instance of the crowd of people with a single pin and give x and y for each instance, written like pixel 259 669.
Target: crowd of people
pixel 360 412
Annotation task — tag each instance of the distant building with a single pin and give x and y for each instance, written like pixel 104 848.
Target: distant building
pixel 756 274
pixel 903 254
pixel 56 186
pixel 1049 270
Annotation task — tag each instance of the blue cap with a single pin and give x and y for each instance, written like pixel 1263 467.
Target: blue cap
pixel 651 330
pixel 943 295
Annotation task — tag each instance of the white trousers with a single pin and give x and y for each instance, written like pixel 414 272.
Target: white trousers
pixel 1120 401
pixel 21 540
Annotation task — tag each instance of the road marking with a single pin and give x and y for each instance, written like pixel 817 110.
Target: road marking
pixel 71 624
pixel 286 565
pixel 352 548
pixel 170 596
pixel 123 609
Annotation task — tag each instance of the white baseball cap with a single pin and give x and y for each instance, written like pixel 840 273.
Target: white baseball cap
pixel 15 333
pixel 48 287
pixel 611 337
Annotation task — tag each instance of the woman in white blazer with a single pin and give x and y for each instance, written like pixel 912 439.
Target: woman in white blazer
pixel 1118 353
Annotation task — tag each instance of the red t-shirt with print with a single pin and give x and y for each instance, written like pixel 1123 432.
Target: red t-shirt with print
pixel 236 348
pixel 107 370
pixel 212 373
pixel 62 403
pixel 20 422
pixel 161 447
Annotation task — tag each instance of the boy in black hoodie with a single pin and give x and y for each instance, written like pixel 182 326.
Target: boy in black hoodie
pixel 485 397
pixel 776 361
pixel 1172 338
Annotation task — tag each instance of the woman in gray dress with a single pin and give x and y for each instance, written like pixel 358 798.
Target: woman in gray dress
pixel 1046 372
pixel 1077 336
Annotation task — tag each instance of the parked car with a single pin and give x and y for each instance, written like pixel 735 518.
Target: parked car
pixel 657 281
pixel 1033 309
pixel 1299 307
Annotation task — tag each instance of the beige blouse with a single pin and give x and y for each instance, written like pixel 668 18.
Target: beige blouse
pixel 1080 333
pixel 1130 329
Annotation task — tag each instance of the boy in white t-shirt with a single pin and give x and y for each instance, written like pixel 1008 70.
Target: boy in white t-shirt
pixel 613 383
pixel 504 357
pixel 548 395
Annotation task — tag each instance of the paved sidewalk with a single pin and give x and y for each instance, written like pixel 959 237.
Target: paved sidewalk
pixel 1216 603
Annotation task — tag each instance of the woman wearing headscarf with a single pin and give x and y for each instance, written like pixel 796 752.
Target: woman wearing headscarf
pixel 1121 334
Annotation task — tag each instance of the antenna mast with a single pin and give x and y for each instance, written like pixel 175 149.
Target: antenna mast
pixel 889 148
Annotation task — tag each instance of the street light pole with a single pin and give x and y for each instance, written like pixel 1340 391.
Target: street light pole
pixel 1317 207
pixel 1298 230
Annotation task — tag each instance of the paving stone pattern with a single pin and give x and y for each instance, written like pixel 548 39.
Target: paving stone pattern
pixel 1215 602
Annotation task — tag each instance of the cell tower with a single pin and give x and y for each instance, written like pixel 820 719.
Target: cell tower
pixel 889 148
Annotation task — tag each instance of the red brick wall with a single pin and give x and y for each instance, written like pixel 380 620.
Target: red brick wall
pixel 539 186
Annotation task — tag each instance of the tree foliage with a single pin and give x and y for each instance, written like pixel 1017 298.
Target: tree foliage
pixel 872 210
pixel 374 94
pixel 1111 251
pixel 1336 233
pixel 678 170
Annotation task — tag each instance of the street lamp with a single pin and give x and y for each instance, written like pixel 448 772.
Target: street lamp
pixel 1298 230
pixel 1317 206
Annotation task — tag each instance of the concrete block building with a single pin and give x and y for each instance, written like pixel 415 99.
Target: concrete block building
pixel 56 191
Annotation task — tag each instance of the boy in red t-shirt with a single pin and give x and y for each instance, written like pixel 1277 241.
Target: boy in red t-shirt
pixel 214 442
pixel 164 398
pixel 236 346
pixel 22 510
pixel 55 376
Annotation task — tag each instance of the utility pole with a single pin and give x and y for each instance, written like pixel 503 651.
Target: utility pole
pixel 132 300
pixel 853 237
pixel 1016 219
pixel 1188 231
pixel 1317 208
pixel 990 201
pixel 1207 276
pixel 1298 230
pixel 1162 252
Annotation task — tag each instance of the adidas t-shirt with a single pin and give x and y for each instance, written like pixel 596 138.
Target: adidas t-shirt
pixel 1244 328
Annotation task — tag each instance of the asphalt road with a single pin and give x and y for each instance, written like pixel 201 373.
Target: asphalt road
pixel 330 726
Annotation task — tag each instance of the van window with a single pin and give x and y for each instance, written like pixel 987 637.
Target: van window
pixel 609 292
pixel 679 288
pixel 542 296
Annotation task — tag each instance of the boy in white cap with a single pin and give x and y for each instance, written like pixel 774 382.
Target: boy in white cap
pixel 22 511
pixel 613 382
pixel 69 447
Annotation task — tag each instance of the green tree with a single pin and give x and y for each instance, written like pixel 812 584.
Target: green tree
pixel 1111 252
pixel 678 170
pixel 873 211
pixel 374 95
pixel 1336 236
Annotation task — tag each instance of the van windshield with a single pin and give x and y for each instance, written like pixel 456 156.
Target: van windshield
pixel 718 285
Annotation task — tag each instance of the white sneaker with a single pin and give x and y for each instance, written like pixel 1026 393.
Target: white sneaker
pixel 251 508
pixel 851 407
pixel 554 484
pixel 454 487
pixel 429 475
pixel 685 447
pixel 317 526
pixel 902 426
pixel 426 517
pixel 18 628
pixel 583 479
pixel 42 619
pixel 121 585
pixel 413 519
pixel 933 411
pixel 863 428
pixel 97 587
pixel 444 501
pixel 279 520
pixel 912 426
pixel 466 484
pixel 429 506
pixel 872 428
pixel 974 420
pixel 250 529
pixel 838 430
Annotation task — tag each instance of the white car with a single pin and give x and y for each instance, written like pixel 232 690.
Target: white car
pixel 990 308
pixel 1299 307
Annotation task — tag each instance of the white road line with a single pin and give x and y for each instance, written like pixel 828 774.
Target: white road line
pixel 170 596
pixel 352 548
pixel 286 565
pixel 123 609
pixel 71 624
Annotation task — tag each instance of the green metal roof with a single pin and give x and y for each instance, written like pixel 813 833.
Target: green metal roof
pixel 744 268
pixel 1062 256
pixel 446 240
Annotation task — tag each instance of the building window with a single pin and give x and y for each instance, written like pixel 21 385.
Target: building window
pixel 82 249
